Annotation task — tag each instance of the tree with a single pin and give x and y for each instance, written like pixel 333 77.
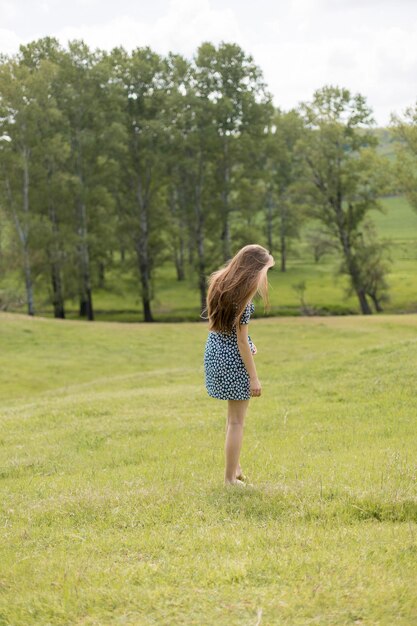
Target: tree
pixel 283 206
pixel 199 144
pixel 320 243
pixel 344 174
pixel 229 78
pixel 17 132
pixel 50 151
pixel 192 158
pixel 143 81
pixel 179 190
pixel 374 265
pixel 405 131
pixel 87 101
pixel 56 129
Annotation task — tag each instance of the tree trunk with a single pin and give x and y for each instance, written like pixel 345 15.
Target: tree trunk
pixel 86 300
pixel 147 313
pixel 200 248
pixel 181 249
pixel 350 259
pixel 54 254
pixel 142 251
pixel 101 275
pixel 179 260
pixel 23 232
pixel 283 252
pixel 86 303
pixel 28 281
pixel 27 266
pixel 225 237
pixel 57 299
pixel 179 233
pixel 283 239
pixel 269 225
pixel 145 283
pixel 365 308
pixel 378 307
pixel 359 290
pixel 22 229
pixel 201 274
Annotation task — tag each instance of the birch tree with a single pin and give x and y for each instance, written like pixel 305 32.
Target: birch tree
pixel 17 128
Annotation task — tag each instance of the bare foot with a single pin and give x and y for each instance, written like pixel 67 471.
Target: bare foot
pixel 237 482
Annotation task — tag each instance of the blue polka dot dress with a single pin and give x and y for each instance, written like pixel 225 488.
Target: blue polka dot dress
pixel 226 376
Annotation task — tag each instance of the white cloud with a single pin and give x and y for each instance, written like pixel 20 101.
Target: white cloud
pixel 10 41
pixel 181 29
pixel 189 22
pixel 122 31
pixel 364 45
pixel 363 4
pixel 8 10
pixel 367 51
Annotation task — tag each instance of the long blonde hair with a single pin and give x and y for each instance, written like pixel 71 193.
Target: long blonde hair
pixel 232 287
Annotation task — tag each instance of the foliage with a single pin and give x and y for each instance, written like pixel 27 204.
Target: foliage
pixel 283 203
pixel 345 176
pixel 128 161
pixel 405 131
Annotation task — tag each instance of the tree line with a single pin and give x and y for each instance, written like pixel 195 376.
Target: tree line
pixel 152 158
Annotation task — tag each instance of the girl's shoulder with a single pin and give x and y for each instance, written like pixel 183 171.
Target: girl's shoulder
pixel 249 309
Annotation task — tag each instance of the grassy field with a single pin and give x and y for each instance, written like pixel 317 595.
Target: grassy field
pixel 325 292
pixel 113 509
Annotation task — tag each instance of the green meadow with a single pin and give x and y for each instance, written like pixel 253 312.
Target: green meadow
pixel 113 508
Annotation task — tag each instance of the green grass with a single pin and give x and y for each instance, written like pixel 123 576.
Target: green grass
pixel 113 509
pixel 397 222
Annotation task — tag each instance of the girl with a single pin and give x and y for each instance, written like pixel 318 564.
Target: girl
pixel 230 372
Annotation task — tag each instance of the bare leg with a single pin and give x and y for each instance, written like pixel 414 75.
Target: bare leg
pixel 236 412
pixel 238 469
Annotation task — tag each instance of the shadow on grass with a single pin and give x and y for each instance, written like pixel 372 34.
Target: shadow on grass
pixel 267 503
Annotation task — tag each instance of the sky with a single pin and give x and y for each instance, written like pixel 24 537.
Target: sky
pixel 367 46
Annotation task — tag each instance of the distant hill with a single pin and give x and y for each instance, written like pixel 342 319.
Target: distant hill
pixel 386 141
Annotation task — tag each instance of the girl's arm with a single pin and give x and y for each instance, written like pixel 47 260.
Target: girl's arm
pixel 247 358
